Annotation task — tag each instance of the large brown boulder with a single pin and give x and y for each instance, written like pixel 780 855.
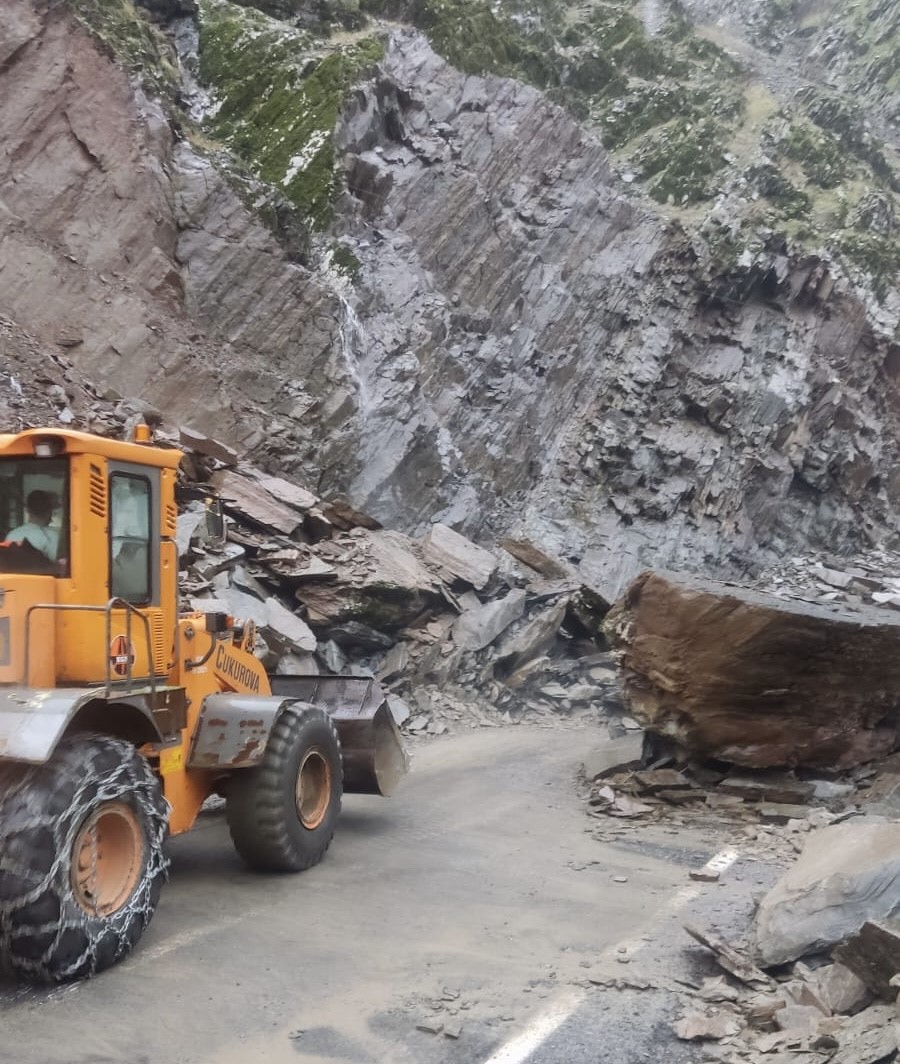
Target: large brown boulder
pixel 755 679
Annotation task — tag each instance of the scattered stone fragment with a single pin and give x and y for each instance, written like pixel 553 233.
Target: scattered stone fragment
pixel 585 692
pixel 531 639
pixel 825 790
pixel 762 787
pixel 730 959
pixel 459 556
pixel 623 806
pixel 400 711
pixel 187 526
pixel 651 781
pixel 334 658
pixel 798 1019
pixel 602 675
pixel 430 1026
pixel 292 494
pixel 681 796
pixel 527 553
pixel 842 990
pixel 294 565
pixel 475 629
pixel 297 665
pixel 774 813
pixel 704 874
pixel 873 954
pixel 355 634
pixel 249 499
pixel 201 444
pixel 761 1011
pixel 724 801
pixel 695 1026
pixel 883 797
pixel 868 1037
pixel 340 514
pixel 286 629
pixel 238 603
pixel 847 873
pixel 453 1030
pixel 395 662
pixel 717 989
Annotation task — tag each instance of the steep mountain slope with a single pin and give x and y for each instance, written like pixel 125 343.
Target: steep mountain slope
pixel 437 291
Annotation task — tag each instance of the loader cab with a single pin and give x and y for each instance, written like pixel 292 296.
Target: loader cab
pixel 85 521
pixel 34 515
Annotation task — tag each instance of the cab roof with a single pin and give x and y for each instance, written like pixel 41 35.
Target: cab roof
pixel 21 444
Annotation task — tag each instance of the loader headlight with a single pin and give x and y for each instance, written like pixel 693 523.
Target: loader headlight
pixel 48 447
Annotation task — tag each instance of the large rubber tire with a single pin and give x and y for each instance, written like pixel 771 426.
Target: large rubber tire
pixel 53 819
pixel 272 829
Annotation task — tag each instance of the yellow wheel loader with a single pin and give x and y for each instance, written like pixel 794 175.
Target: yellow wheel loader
pixel 120 716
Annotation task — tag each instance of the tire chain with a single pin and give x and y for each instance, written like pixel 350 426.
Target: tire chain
pixel 131 778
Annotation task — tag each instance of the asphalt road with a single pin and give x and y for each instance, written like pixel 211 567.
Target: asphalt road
pixel 475 902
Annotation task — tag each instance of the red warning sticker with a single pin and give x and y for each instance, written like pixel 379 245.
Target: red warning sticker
pixel 121 655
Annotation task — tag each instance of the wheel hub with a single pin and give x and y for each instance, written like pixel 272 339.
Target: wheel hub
pixel 107 857
pixel 313 789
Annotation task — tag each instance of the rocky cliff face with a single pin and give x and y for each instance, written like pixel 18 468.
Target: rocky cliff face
pixel 437 291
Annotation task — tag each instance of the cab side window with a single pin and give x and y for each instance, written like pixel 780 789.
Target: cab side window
pixel 130 572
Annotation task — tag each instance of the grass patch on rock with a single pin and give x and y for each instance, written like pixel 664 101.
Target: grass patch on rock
pixel 128 35
pixel 280 92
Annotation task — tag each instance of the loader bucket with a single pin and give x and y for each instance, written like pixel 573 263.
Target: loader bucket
pixel 372 750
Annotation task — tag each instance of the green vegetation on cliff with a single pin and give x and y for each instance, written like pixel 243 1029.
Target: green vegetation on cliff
pixel 665 101
pixel 675 106
pixel 279 92
pixel 130 37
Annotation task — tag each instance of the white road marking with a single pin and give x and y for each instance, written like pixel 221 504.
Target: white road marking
pixel 186 938
pixel 523 1045
pixel 519 1049
pixel 721 862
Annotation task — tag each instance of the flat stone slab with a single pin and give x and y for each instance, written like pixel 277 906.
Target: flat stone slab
pixel 458 555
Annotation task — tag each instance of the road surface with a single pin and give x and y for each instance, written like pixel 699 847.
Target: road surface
pixel 475 903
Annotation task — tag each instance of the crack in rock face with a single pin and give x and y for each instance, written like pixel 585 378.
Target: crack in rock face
pixel 597 371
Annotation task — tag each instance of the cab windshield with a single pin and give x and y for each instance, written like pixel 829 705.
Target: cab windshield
pixel 34 515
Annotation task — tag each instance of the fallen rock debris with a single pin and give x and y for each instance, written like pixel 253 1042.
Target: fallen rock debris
pixel 466 637
pixel 840 1003
pixel 734 962
pixel 822 1012
pixel 873 954
pixel 459 635
pixel 322 562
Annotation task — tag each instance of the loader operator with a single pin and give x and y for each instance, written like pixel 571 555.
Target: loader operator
pixel 36 530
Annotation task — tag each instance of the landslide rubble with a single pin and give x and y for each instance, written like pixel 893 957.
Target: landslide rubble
pixel 808 970
pixel 460 636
